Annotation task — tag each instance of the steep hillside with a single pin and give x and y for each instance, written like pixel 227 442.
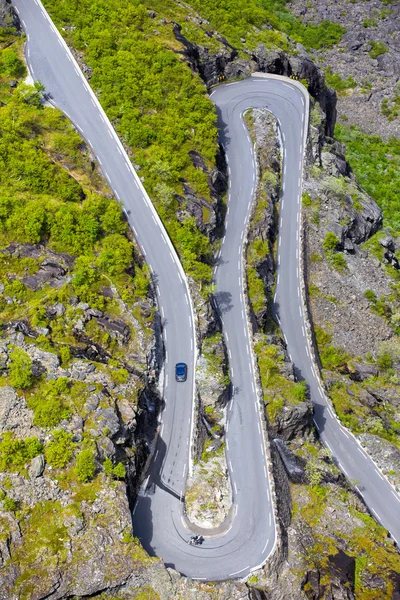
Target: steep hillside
pixel 79 354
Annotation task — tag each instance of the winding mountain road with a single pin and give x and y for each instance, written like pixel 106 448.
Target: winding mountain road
pixel 158 519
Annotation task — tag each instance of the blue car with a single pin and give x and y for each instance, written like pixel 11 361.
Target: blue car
pixel 180 371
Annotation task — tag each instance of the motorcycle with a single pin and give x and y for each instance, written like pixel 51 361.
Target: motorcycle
pixel 196 540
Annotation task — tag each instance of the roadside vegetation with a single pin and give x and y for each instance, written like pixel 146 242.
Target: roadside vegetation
pixel 56 209
pixel 376 164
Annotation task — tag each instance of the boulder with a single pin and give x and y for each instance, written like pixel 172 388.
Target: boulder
pixel 294 421
pixel 3 358
pixel 293 465
pixel 47 360
pixel 363 370
pixel 36 467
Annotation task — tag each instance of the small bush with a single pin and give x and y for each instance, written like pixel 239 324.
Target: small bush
pixel 48 403
pixel 385 361
pixel 85 465
pixel 59 452
pixel 300 391
pixel 10 505
pixel 370 296
pixel 377 49
pixel 120 376
pixel 118 471
pixel 65 355
pixel 20 369
pixel 16 453
pixel 338 262
pixel 330 241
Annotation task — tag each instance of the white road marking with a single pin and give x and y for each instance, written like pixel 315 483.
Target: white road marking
pixel 266 544
pixel 234 485
pixel 258 427
pixel 265 473
pixel 162 312
pixel 230 465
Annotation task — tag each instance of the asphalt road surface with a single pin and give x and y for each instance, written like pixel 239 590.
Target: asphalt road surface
pixel 158 520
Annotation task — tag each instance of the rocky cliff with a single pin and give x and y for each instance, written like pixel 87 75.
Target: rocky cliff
pixel 364 66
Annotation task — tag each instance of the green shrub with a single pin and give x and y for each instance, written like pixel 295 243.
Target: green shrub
pixel 300 391
pixel 385 361
pixel 10 505
pixel 59 450
pixel 108 467
pixel 48 404
pixel 370 22
pixel 370 296
pixel 65 355
pixel 338 261
pixel 119 471
pixel 116 254
pixel 377 49
pixel 330 241
pixel 85 465
pixel 20 369
pixel 10 64
pixel 16 453
pixel 120 376
pixel 256 290
pixel 336 82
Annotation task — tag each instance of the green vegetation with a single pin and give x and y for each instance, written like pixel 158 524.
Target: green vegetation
pixel 370 22
pixel 117 471
pixel 213 352
pixel 49 403
pixel 391 106
pixel 376 164
pixel 377 49
pixel 332 358
pixel 323 508
pixel 15 453
pixel 20 369
pixel 159 107
pixel 330 241
pixel 59 450
pixel 240 18
pixel 335 259
pixel 277 389
pixel 336 82
pixel 85 465
pixel 147 593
